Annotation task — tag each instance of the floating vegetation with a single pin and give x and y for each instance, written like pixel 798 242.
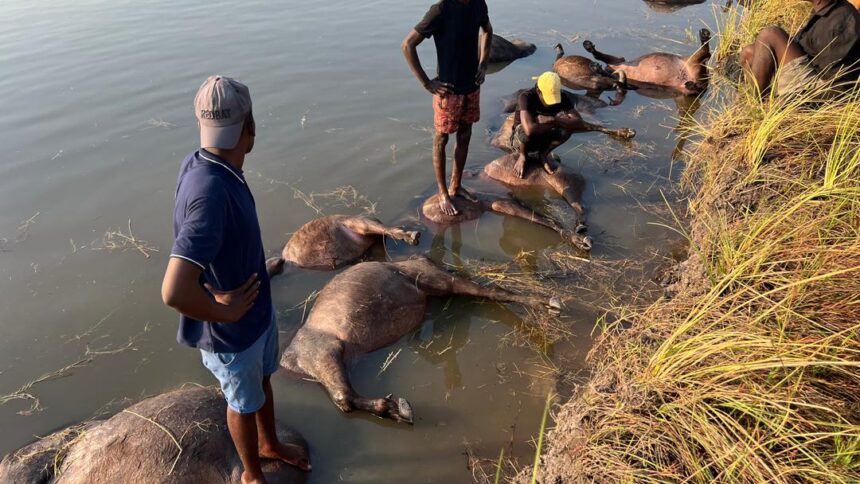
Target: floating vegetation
pixel 159 123
pixel 116 240
pixel 389 360
pixel 24 393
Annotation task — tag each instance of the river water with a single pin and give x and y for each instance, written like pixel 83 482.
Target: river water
pixel 97 116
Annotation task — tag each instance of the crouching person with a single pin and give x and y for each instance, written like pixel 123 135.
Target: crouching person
pixel 544 120
pixel 216 276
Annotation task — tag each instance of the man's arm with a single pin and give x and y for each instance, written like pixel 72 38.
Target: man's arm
pixel 181 290
pixel 486 43
pixel 409 47
pixel 532 126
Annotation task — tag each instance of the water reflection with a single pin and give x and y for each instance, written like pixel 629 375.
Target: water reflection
pixel 669 6
pixel 685 108
pixel 444 341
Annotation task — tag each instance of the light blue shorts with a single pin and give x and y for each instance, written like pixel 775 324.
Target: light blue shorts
pixel 241 374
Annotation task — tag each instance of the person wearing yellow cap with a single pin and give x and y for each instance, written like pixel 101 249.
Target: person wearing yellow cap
pixel 545 118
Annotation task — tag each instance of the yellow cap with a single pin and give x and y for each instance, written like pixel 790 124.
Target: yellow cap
pixel 549 85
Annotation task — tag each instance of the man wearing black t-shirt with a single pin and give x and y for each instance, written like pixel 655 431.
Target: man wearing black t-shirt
pixel 826 49
pixel 461 64
pixel 544 120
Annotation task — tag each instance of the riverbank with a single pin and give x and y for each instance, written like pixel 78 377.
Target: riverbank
pixel 747 371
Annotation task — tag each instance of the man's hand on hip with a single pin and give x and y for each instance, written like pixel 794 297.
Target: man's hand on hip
pixel 439 88
pixel 234 304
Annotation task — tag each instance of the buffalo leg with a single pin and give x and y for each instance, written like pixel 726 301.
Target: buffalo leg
pixel 438 282
pixel 696 63
pixel 514 209
pixel 371 226
pixel 326 366
pixel 578 237
pixel 575 124
pixel 607 58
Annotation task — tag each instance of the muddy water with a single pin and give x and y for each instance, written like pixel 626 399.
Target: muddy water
pixel 97 116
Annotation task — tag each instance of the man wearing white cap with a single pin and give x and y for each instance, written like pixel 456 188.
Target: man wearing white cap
pixel 217 278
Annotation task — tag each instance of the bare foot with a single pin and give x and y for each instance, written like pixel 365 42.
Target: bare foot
pixel 250 479
pixel 549 165
pixel 462 193
pixel 446 205
pixel 520 166
pixel 291 454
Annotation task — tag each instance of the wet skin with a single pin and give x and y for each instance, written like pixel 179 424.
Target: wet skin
pixel 131 447
pixel 563 181
pixel 578 72
pixel 370 306
pixel 686 75
pixel 332 241
pixel 471 210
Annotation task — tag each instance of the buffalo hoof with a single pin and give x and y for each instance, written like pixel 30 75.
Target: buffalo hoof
pixel 554 305
pixel 588 45
pixel 275 266
pixel 626 133
pixel 399 410
pixel 586 243
pixel 412 237
pixel 704 35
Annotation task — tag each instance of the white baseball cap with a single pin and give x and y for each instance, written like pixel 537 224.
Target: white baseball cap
pixel 222 105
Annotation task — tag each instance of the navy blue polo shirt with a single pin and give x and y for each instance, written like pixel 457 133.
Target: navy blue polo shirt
pixel 216 228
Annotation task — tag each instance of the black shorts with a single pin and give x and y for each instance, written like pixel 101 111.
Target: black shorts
pixel 538 144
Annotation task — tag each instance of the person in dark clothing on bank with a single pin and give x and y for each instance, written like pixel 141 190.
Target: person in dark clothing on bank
pixel 826 50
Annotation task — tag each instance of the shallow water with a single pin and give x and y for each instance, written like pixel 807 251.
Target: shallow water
pixel 97 116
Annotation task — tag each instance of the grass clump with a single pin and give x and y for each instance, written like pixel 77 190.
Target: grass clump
pixel 751 371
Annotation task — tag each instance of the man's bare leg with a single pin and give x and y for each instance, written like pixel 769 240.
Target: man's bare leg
pixel 269 445
pixel 520 164
pixel 461 152
pixel 772 49
pixel 243 430
pixel 440 140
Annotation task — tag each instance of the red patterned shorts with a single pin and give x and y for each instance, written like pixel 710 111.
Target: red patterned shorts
pixel 454 110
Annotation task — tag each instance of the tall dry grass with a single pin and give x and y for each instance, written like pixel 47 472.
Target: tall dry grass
pixel 751 372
